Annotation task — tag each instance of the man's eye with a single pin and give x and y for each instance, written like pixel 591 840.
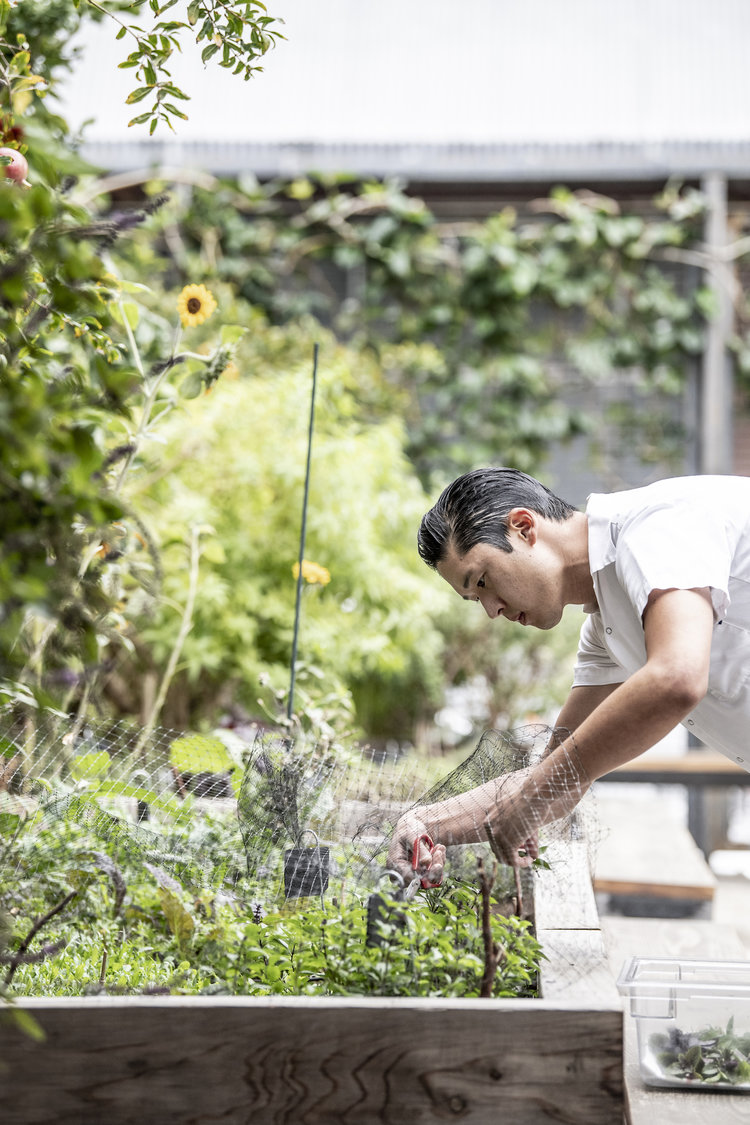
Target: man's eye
pixel 481 583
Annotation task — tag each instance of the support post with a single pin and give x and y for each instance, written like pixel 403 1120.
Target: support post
pixel 710 807
pixel 715 428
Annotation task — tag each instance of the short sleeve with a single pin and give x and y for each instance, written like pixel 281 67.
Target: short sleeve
pixel 594 665
pixel 673 546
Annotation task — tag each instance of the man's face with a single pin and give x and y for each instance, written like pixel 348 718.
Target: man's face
pixel 523 585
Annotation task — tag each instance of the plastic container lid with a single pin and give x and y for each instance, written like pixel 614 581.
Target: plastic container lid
pixel 655 984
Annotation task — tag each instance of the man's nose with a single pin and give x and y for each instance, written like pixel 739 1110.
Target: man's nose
pixel 491 607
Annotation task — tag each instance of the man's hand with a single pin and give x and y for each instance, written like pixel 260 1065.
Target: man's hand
pixel 511 824
pixel 430 863
pixel 506 812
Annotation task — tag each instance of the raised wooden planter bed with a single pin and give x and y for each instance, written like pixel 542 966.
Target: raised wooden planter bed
pixel 306 1061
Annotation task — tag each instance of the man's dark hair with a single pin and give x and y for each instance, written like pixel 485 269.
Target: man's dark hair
pixel 474 509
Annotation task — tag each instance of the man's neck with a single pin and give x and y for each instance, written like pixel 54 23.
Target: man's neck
pixel 574 544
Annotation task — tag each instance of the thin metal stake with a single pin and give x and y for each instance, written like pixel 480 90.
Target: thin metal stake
pixel 290 706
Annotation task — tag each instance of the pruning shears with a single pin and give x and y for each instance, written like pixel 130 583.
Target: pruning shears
pixel 427 840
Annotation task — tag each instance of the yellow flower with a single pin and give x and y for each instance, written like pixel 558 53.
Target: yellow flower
pixel 312 573
pixel 195 304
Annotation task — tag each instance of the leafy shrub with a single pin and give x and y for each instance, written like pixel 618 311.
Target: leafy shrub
pixel 129 926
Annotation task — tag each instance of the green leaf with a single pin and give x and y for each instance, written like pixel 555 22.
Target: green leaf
pixel 200 753
pixel 25 1022
pixel 192 385
pixel 8 749
pixel 178 918
pixel 133 286
pixel 138 94
pixel 9 822
pixel 127 309
pixel 88 767
pixel 175 91
pixel 693 1055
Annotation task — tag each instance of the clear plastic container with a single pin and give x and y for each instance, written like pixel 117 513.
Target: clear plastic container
pixel 693 1020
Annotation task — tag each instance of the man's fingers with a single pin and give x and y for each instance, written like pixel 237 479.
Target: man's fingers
pixel 409 853
pixel 437 862
pixel 512 855
pixel 424 856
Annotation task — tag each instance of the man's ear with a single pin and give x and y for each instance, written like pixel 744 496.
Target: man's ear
pixel 524 523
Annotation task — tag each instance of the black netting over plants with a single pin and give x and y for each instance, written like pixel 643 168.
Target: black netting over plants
pixel 263 825
pixel 491 775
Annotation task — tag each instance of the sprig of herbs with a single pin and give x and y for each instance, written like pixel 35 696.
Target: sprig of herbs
pixel 712 1056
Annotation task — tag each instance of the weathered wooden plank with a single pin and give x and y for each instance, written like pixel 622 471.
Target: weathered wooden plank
pixel 576 969
pixel 696 767
pixel 650 937
pixel 306 1061
pixel 564 897
pixel 645 850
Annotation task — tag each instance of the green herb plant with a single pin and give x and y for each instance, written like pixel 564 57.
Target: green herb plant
pixel 129 925
pixel 713 1056
pixel 424 949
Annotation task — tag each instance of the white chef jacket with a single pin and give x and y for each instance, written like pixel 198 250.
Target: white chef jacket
pixel 681 533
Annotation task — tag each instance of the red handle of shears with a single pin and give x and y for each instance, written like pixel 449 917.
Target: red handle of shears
pixel 423 839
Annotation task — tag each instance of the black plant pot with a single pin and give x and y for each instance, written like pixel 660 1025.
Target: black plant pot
pixel 379 910
pixel 305 872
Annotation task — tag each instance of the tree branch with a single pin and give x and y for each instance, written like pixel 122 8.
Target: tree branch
pixel 18 956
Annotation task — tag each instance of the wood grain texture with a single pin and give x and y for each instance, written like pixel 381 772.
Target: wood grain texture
pixel 312 1062
pixel 707 767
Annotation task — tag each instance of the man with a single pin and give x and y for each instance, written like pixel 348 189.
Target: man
pixel 663 576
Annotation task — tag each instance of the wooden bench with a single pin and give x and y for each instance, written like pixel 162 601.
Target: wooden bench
pixel 705 773
pixel 647 861
pixel 699 940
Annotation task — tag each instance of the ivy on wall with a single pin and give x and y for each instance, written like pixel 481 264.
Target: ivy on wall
pixel 491 310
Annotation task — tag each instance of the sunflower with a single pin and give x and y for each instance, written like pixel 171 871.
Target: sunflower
pixel 195 304
pixel 312 572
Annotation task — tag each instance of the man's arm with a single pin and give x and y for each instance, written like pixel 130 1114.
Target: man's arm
pixel 678 626
pixel 613 724
pixel 580 703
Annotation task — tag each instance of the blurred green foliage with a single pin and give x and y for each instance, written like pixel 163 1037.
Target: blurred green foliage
pixel 494 312
pixel 443 348
pixel 235 460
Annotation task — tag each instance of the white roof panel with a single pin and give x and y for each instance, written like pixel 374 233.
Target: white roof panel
pixel 434 72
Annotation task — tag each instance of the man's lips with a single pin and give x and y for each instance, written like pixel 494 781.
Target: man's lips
pixel 519 619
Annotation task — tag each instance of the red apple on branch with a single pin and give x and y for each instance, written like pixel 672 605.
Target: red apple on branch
pixel 13 165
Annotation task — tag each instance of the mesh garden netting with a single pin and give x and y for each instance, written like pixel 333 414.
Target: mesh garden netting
pixel 257 818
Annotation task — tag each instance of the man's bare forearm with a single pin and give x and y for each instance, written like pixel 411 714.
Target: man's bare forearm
pixel 628 722
pixel 581 702
pixel 612 724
